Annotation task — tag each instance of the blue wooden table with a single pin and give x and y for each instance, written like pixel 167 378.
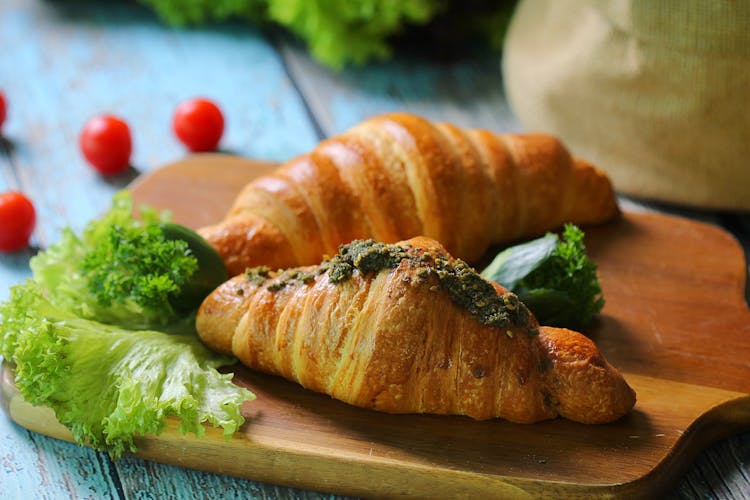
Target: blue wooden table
pixel 63 62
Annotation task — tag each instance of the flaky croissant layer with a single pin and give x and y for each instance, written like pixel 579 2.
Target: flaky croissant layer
pixel 397 176
pixel 411 330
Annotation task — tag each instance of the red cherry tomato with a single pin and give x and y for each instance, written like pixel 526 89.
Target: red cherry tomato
pixel 17 219
pixel 198 124
pixel 3 109
pixel 106 144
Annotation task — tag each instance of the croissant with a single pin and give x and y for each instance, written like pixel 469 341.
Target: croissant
pixel 406 328
pixel 398 176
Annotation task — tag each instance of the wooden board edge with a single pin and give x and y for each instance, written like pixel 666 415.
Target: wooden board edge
pixel 271 460
pixel 722 421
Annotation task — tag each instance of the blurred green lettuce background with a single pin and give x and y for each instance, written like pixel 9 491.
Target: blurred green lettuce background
pixel 341 32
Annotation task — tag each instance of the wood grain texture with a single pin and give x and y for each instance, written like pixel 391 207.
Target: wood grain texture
pixel 64 62
pixel 467 93
pixel 307 440
pixel 304 439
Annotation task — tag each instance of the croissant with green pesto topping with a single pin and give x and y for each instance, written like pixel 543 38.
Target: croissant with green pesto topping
pixel 406 328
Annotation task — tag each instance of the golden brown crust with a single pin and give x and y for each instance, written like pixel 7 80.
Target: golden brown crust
pixel 396 176
pixel 576 361
pixel 395 341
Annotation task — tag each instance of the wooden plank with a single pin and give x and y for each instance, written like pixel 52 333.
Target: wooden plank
pixel 301 438
pixel 468 92
pixel 66 61
pixel 32 465
pixel 23 67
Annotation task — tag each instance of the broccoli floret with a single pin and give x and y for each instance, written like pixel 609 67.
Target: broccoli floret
pixel 553 276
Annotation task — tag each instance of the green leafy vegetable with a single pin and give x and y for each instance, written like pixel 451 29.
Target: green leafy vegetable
pixel 122 270
pixel 553 276
pixel 109 384
pixel 78 332
pixel 338 32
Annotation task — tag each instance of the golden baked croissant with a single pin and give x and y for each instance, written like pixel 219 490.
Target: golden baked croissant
pixel 405 328
pixel 398 176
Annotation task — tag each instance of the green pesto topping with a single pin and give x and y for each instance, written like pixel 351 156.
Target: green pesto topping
pixel 257 275
pixel 473 293
pixel 260 275
pixel 364 255
pixel 463 284
pixel 293 276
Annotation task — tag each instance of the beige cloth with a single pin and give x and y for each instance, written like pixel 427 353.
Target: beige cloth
pixel 655 92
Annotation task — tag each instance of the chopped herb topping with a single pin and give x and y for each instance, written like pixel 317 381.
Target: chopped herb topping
pixel 364 255
pixel 462 283
pixel 473 293
pixel 292 276
pixel 258 274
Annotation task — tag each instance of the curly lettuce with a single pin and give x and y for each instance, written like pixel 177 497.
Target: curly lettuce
pixel 108 384
pixel 82 333
pixel 340 32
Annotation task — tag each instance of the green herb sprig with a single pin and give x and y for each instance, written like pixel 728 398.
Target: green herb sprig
pixel 553 276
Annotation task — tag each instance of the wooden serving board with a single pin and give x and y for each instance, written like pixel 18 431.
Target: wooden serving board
pixel 675 323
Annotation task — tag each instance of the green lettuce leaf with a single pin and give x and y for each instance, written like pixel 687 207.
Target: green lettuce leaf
pixel 108 384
